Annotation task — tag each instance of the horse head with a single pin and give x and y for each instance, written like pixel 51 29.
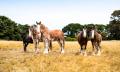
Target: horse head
pixel 38 25
pixel 34 31
pixel 41 26
pixel 91 33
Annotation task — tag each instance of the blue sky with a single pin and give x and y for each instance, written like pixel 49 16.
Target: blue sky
pixel 56 14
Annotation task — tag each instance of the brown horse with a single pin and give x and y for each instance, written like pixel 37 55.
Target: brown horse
pixel 82 40
pixel 49 36
pixel 34 33
pixel 96 39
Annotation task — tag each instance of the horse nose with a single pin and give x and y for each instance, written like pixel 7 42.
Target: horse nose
pixel 89 35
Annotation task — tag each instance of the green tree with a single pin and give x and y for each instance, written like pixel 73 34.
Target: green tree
pixel 10 30
pixel 100 28
pixel 114 25
pixel 72 28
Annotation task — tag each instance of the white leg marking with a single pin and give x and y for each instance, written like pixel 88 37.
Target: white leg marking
pixel 62 47
pixel 62 51
pixel 37 51
pixel 46 47
pixel 98 53
pixel 93 53
pixel 85 54
pixel 81 52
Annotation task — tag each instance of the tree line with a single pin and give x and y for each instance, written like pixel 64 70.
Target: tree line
pixel 10 30
pixel 109 31
pixel 73 28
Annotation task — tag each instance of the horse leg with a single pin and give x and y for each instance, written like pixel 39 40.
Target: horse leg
pixel 85 54
pixel 50 45
pixel 36 45
pixel 81 49
pixel 61 43
pixel 84 50
pixel 25 46
pixel 98 49
pixel 46 44
pixel 93 48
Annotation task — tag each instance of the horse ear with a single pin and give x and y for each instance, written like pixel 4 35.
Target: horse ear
pixel 36 22
pixel 40 22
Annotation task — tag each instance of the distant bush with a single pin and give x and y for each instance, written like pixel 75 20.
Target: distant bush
pixel 70 39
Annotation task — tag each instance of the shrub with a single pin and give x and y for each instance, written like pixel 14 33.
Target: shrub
pixel 70 39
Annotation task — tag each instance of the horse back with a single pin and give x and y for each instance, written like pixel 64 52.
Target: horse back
pixel 98 37
pixel 56 34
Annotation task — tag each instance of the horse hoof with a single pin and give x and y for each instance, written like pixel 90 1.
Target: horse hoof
pixel 36 52
pixel 98 54
pixel 93 54
pixel 81 53
pixel 62 52
pixel 45 52
pixel 85 54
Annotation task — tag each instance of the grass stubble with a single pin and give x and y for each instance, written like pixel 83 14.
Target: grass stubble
pixel 13 59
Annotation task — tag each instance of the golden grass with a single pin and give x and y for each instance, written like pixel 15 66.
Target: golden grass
pixel 13 59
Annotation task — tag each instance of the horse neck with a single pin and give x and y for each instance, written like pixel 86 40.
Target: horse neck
pixel 96 33
pixel 43 28
pixel 45 33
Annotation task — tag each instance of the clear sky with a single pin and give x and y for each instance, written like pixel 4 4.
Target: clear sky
pixel 56 14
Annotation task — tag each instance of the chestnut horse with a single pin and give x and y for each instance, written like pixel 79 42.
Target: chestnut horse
pixel 49 36
pixel 96 39
pixel 82 40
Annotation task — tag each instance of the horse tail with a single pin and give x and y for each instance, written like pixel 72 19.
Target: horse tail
pixel 50 44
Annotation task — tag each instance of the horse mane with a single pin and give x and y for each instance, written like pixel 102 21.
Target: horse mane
pixel 43 28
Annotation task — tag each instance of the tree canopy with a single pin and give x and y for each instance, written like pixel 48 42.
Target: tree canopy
pixel 72 28
pixel 10 30
pixel 114 25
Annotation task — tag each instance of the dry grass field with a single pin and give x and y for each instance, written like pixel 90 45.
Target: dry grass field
pixel 13 59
